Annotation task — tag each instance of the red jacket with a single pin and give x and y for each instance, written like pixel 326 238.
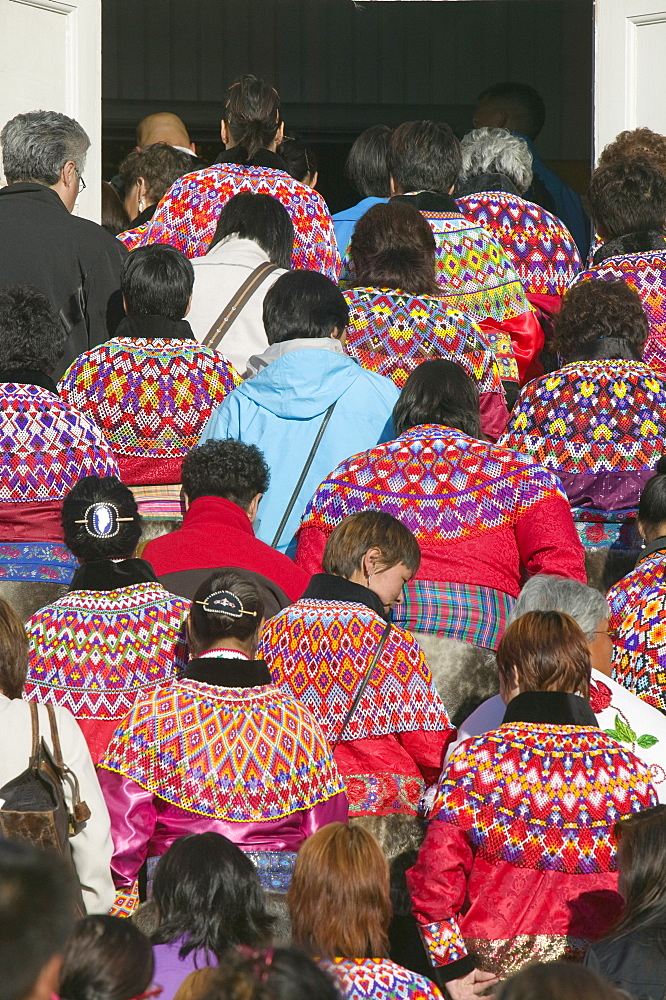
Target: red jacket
pixel 481 514
pixel 519 861
pixel 216 532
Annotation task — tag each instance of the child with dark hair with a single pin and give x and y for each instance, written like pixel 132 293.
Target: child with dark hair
pixel 118 631
pixel 333 407
pixel 335 643
pixel 107 958
pixel 220 750
pixel 152 388
pixel 271 974
pixel 208 897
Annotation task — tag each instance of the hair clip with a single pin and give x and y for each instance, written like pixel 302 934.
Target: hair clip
pixel 102 520
pixel 223 602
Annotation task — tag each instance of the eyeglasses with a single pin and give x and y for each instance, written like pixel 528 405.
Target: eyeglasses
pixel 612 633
pixel 82 183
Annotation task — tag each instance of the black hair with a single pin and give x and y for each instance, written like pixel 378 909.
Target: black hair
pixel 601 319
pixel 114 215
pixel 107 958
pixel 157 280
pixel 160 165
pixel 36 915
pixel 439 392
pixel 366 168
pixel 641 861
pixel 276 974
pixel 252 113
pixel 208 627
pixel 627 196
pixel 261 218
pixel 100 489
pixel 31 335
pixel 300 159
pixel 303 304
pixel 424 156
pixel 208 893
pixel 652 505
pixel 228 468
pixel 523 103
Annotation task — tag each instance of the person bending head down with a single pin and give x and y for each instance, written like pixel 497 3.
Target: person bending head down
pixel 209 626
pixel 373 550
pixel 107 958
pixel 601 319
pixel 393 247
pixel 157 280
pixel 304 305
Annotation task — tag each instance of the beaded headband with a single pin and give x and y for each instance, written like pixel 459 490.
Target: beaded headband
pixel 223 602
pixel 102 520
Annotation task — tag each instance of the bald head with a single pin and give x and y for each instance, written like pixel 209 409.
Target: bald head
pixel 163 127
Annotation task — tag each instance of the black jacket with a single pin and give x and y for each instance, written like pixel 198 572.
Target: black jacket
pixel 73 261
pixel 634 962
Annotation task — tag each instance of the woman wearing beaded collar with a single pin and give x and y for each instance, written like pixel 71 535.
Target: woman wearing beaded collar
pixel 221 749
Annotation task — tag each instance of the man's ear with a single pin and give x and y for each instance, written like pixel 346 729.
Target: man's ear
pixel 253 507
pixel 224 132
pixel 392 187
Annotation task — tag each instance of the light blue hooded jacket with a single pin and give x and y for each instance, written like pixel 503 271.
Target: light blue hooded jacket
pixel 281 409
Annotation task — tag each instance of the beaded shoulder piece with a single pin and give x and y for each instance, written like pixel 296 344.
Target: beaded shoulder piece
pixel 378 979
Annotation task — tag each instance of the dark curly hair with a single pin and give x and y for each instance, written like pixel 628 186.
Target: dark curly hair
pixel 627 196
pixel 107 958
pixel 96 489
pixel 601 319
pixel 227 468
pixel 393 246
pixel 439 392
pixel 208 627
pixel 160 165
pixel 31 335
pixel 641 142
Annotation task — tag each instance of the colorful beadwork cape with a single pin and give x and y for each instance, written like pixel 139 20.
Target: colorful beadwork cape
pixel 539 245
pixel 187 215
pixel 646 273
pixel 318 651
pixel 442 484
pixel 378 979
pixel 246 755
pixel 151 398
pixel 46 446
pixel 95 652
pixel 648 574
pixel 599 425
pixel 543 796
pixel 391 333
pixel 639 651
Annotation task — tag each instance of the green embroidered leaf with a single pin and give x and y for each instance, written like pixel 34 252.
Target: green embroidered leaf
pixel 647 741
pixel 627 735
pixel 611 732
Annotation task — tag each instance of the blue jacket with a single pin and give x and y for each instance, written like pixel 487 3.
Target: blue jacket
pixel 281 410
pixel 346 220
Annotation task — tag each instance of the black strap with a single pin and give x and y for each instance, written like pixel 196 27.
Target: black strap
pixel 364 683
pixel 236 303
pixel 301 478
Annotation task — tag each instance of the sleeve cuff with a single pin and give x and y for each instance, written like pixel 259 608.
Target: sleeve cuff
pixel 125 903
pixel 455 970
pixel 444 943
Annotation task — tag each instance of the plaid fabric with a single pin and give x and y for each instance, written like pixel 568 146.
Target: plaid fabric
pixel 159 503
pixel 32 562
pixel 462 611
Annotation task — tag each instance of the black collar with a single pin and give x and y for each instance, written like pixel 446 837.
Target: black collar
pixel 555 708
pixel 326 587
pixel 430 201
pixel 144 216
pixel 154 328
pixel 38 192
pixel 29 376
pixel 652 548
pixel 262 158
pixel 630 243
pixel 104 574
pixel 228 673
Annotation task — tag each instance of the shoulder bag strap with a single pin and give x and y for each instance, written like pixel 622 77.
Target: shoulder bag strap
pixel 364 683
pixel 80 811
pixel 236 303
pixel 304 472
pixel 34 719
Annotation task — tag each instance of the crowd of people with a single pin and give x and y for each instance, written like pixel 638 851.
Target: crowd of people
pixel 332 552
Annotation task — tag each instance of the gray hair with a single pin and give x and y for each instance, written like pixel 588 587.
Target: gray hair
pixel 496 151
pixel 556 593
pixel 37 145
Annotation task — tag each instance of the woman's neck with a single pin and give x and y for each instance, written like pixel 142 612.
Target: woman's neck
pixel 237 645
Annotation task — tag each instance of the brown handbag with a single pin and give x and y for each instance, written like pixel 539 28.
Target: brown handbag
pixel 34 809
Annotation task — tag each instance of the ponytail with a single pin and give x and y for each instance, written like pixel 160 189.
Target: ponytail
pixel 252 113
